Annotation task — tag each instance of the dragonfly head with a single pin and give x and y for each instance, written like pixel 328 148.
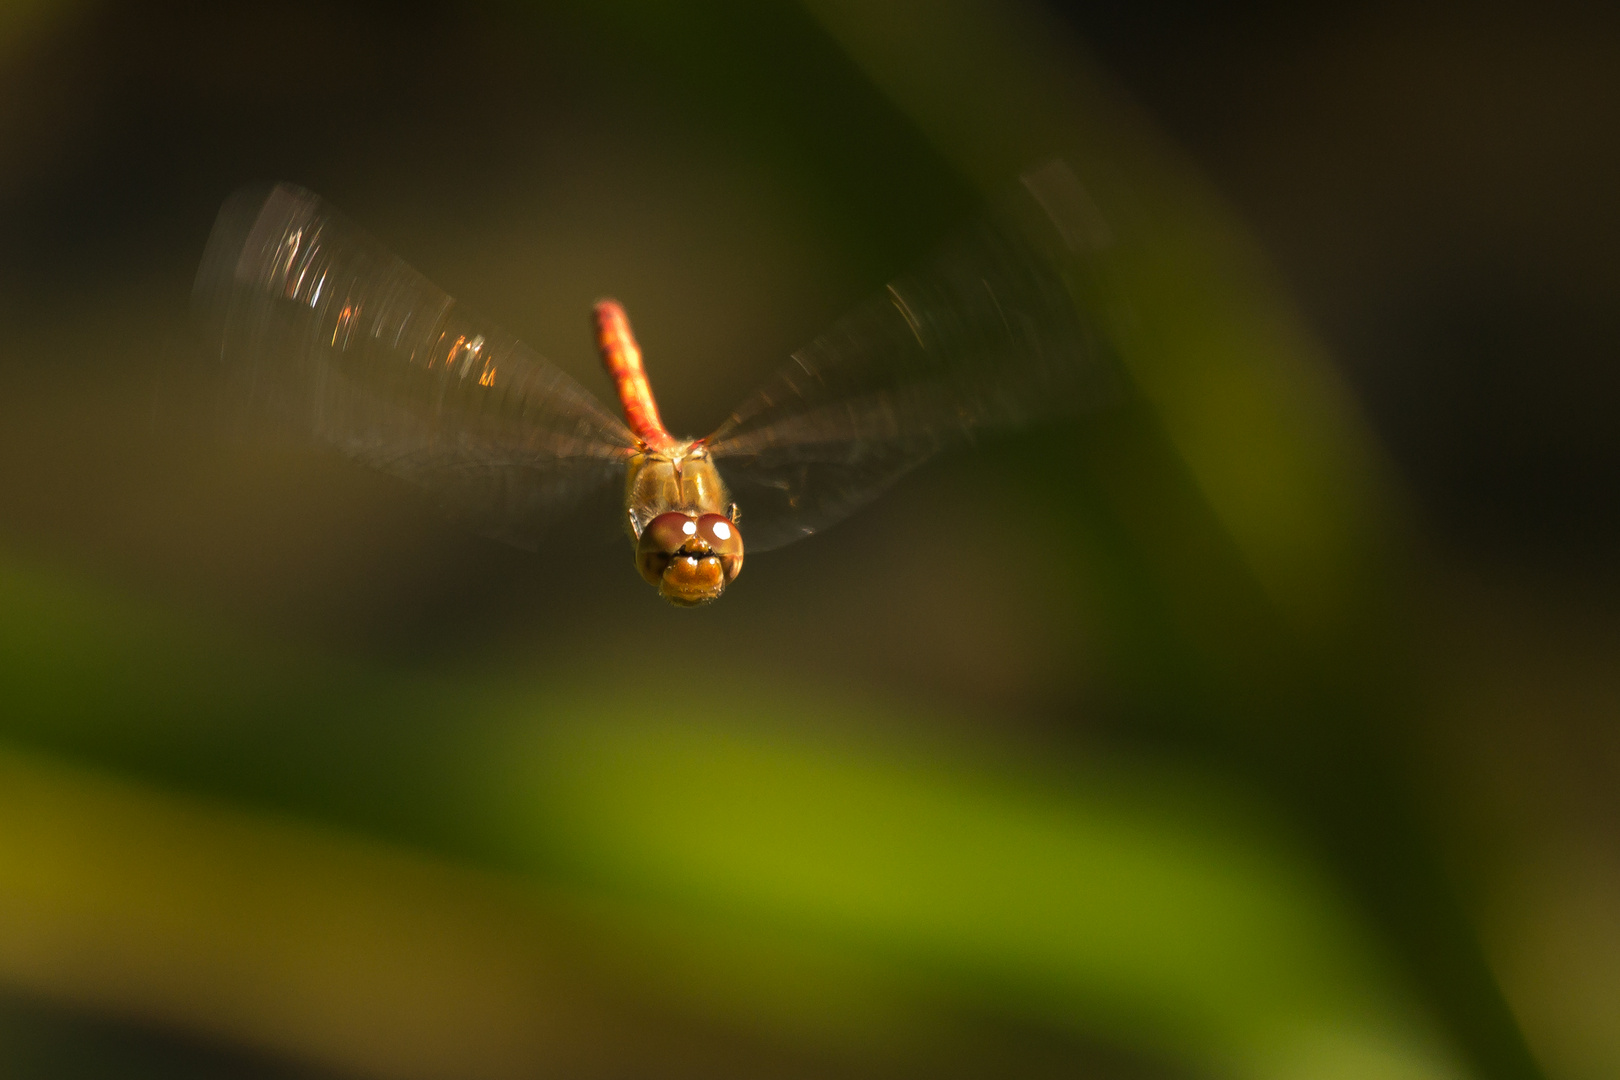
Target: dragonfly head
pixel 691 558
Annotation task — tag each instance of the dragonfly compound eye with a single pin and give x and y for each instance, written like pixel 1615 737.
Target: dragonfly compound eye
pixel 721 534
pixel 690 558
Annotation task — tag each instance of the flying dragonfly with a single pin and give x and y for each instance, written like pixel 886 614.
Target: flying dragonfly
pixel 319 329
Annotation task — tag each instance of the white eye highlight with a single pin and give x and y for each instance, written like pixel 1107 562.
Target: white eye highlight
pixel 689 527
pixel 722 530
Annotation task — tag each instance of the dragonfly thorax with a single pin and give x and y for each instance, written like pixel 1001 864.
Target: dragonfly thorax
pixel 685 530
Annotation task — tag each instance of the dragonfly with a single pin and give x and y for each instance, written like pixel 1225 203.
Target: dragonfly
pixel 319 329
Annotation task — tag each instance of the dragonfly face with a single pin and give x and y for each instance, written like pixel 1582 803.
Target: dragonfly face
pixel 690 558
pixel 686 546
pixel 320 330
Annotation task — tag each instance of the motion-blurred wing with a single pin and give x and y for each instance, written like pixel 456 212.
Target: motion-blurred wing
pixel 988 334
pixel 321 330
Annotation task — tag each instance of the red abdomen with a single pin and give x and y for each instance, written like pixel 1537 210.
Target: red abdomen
pixel 622 358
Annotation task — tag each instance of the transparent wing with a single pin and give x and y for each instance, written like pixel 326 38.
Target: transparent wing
pixel 320 330
pixel 987 334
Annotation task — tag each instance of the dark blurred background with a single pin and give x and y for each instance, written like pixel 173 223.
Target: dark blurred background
pixel 1264 726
